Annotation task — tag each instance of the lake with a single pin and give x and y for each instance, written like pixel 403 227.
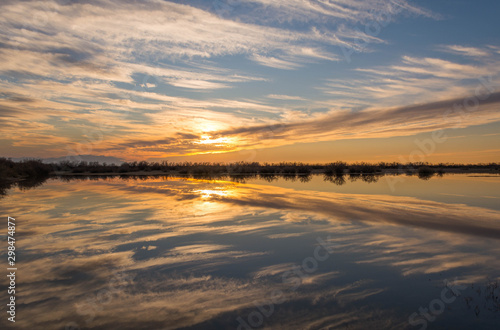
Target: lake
pixel 393 252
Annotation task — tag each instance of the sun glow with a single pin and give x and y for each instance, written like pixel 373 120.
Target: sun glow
pixel 218 142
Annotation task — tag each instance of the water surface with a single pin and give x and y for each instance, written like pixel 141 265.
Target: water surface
pixel 167 253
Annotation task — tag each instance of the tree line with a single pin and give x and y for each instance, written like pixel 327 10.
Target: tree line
pixel 32 168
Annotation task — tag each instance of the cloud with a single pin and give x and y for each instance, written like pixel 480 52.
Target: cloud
pixel 374 122
pixel 466 51
pixel 411 80
pixel 138 74
pixel 440 68
pixel 285 97
pixel 322 11
pixel 123 33
pixel 274 62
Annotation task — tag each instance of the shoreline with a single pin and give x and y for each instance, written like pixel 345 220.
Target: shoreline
pixel 32 171
pixel 313 172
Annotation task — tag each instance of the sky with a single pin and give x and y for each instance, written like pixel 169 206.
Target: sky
pixel 251 80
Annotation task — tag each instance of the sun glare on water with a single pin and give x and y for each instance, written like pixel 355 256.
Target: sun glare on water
pixel 208 193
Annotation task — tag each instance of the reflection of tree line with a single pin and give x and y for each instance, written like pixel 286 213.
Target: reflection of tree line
pixel 33 182
pixel 341 179
pixel 24 175
pixel 26 184
pixel 31 173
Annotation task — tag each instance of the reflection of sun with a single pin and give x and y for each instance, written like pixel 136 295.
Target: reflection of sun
pixel 207 193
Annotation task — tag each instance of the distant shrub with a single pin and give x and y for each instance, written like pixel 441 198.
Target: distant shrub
pixel 242 168
pixel 267 170
pixel 336 168
pixel 124 168
pixel 364 168
pixel 288 170
pixel 304 170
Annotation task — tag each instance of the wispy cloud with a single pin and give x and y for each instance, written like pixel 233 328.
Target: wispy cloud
pixel 341 10
pixel 467 51
pixel 373 122
pixel 274 62
pixel 415 80
pixel 285 97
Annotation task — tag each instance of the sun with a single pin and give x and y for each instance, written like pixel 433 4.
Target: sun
pixel 219 142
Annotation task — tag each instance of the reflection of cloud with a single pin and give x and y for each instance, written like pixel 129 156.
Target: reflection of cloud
pixel 215 255
pixel 321 278
pixel 379 208
pixel 277 269
pixel 284 235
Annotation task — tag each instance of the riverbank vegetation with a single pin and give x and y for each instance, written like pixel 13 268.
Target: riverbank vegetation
pixel 37 168
pixel 31 173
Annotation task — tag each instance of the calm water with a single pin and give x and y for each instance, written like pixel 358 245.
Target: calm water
pixel 165 253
